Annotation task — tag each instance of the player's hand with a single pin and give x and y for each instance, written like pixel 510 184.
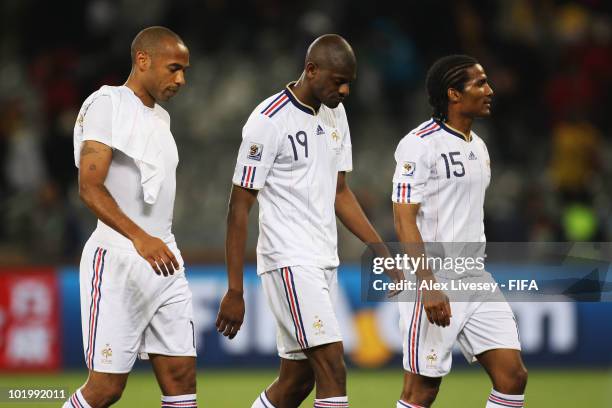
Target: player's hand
pixel 156 253
pixel 437 307
pixel 231 314
pixel 396 276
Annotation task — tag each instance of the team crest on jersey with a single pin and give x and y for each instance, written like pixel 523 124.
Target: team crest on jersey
pixel 255 150
pixel 472 156
pixel 408 168
pixel 320 130
pixel 318 326
pixel 107 354
pixel 335 136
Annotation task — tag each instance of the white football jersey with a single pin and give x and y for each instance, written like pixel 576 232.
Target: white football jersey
pixel 448 175
pixel 293 154
pixel 123 180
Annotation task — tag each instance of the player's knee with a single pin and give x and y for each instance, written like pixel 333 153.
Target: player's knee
pixel 298 388
pixel 520 381
pixel 512 382
pixel 102 390
pixel 306 386
pixel 424 396
pixel 108 394
pixel 333 371
pixel 181 379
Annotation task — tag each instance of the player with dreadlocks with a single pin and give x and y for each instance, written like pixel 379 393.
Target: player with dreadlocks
pixel 439 185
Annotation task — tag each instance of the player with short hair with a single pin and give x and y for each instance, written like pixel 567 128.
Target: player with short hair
pixel 438 195
pixel 295 152
pixel 127 160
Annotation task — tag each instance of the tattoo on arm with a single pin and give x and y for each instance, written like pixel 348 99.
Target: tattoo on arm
pixel 88 150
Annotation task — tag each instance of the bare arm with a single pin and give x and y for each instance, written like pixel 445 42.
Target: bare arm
pixel 93 168
pixel 231 310
pixel 351 214
pixel 435 302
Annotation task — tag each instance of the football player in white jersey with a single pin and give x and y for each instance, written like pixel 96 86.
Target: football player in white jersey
pixel 438 194
pixel 295 152
pixel 134 296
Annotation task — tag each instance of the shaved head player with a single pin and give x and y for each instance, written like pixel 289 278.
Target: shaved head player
pixel 294 156
pixel 134 296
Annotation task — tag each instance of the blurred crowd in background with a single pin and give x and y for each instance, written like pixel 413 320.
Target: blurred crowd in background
pixel 549 62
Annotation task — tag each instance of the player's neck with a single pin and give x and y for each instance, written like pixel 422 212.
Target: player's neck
pixel 140 91
pixel 460 123
pixel 301 92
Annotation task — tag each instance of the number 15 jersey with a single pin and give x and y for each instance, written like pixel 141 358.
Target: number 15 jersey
pixel 293 154
pixel 448 174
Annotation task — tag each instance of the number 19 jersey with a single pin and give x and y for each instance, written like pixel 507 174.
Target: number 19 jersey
pixel 293 154
pixel 448 174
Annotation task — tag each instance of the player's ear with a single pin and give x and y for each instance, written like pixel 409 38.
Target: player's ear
pixel 453 95
pixel 143 60
pixel 311 70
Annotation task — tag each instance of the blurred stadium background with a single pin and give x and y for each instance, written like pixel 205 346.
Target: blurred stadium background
pixel 550 64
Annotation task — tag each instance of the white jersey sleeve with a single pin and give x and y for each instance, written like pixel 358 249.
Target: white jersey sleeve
pixel 412 170
pixel 98 121
pixel 345 160
pixel 257 153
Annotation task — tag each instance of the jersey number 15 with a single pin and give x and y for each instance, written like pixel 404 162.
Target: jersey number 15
pixel 456 164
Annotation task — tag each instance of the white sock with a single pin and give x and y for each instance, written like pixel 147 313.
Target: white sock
pixel 175 401
pixel 76 400
pixel 499 400
pixel 262 402
pixel 332 402
pixel 404 404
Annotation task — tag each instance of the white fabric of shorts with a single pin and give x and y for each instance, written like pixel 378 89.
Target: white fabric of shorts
pixel 302 301
pixel 128 310
pixel 482 322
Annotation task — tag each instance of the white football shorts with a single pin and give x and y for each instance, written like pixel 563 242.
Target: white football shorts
pixel 302 301
pixel 479 323
pixel 128 310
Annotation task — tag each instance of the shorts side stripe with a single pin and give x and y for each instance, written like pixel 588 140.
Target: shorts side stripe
pixel 409 348
pixel 93 268
pixel 297 303
pixel 96 310
pixel 295 326
pixel 295 307
pixel 99 288
pixel 96 264
pixel 413 336
pixel 418 339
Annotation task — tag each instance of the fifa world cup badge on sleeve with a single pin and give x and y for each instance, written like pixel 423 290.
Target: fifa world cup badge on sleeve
pixel 408 169
pixel 255 150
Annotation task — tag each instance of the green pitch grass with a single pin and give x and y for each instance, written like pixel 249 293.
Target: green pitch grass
pixel 367 389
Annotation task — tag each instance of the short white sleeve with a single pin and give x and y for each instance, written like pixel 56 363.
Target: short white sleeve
pixel 412 170
pixel 258 150
pixel 98 120
pixel 345 162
